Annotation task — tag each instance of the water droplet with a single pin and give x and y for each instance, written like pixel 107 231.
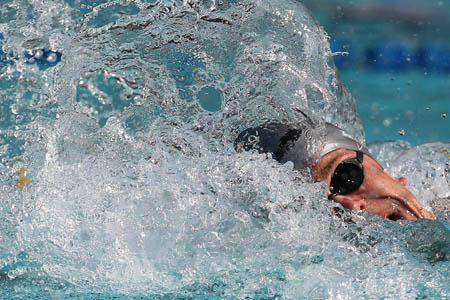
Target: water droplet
pixel 402 132
pixel 39 54
pixel 52 58
pixel 15 109
pixel 19 118
pixel 444 115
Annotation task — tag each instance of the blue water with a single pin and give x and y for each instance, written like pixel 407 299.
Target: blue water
pixel 123 115
pixel 412 101
pixel 396 63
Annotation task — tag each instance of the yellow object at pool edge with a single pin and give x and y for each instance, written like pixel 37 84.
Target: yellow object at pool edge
pixel 23 179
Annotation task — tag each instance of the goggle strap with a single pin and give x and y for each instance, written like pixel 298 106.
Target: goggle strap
pixel 359 156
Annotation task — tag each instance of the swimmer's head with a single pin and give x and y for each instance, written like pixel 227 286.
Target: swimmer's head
pixel 358 182
pixel 354 178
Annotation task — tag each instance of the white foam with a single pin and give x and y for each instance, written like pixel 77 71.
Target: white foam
pixel 155 199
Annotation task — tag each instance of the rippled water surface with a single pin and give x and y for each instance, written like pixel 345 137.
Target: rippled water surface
pixel 119 178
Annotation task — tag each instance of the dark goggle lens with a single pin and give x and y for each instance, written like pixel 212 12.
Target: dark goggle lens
pixel 347 178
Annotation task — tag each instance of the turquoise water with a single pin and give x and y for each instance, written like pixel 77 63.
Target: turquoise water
pixel 397 64
pixel 123 115
pixel 412 101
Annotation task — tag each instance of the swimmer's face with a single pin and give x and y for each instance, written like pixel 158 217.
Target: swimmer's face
pixel 380 193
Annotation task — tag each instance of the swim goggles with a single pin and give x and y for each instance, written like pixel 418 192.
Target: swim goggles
pixel 348 176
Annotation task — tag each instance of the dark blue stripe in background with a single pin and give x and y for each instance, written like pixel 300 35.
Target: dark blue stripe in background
pixel 392 55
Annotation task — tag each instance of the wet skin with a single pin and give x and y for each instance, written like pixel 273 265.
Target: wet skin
pixel 380 193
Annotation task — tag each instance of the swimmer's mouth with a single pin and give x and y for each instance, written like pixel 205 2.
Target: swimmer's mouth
pixel 395 216
pixel 392 209
pixel 388 207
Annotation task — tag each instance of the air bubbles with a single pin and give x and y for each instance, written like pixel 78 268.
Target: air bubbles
pixel 444 115
pixel 253 139
pixel 402 132
pixel 210 98
pixel 14 108
pixel 43 58
pixel 98 209
pixel 52 58
pixel 19 118
pixel 39 54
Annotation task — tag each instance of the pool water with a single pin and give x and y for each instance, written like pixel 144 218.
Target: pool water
pixel 408 102
pixel 395 61
pixel 119 178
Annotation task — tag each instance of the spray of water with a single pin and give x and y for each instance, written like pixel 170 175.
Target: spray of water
pixel 124 113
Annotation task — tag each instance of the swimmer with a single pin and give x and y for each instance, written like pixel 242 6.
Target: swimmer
pixel 354 178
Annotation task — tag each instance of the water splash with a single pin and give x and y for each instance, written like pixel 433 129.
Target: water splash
pixel 136 188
